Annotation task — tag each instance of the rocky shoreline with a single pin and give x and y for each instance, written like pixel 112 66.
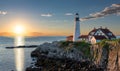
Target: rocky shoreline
pixel 55 64
pixel 53 57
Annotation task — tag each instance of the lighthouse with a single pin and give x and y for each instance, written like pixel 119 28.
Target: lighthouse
pixel 76 33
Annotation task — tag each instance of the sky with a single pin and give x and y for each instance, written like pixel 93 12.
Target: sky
pixel 56 17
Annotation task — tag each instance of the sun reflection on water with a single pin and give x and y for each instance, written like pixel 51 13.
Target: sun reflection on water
pixel 19 53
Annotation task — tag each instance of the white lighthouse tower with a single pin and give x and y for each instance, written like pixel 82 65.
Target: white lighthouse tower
pixel 76 33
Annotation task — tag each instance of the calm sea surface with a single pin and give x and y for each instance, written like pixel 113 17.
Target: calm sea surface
pixel 7 56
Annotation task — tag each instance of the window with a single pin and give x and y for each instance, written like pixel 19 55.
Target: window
pixel 110 34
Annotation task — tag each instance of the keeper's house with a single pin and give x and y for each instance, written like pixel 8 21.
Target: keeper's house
pixel 96 35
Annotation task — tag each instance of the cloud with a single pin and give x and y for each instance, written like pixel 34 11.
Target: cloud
pixel 47 15
pixel 3 12
pixel 113 9
pixel 69 14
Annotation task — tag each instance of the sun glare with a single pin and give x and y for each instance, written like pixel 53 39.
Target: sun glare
pixel 19 53
pixel 19 29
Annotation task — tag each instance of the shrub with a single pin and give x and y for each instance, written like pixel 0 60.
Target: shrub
pixel 65 43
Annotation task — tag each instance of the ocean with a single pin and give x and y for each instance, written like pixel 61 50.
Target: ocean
pixel 7 56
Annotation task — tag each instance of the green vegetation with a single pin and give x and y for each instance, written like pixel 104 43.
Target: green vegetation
pixel 81 46
pixel 104 44
pixel 84 47
pixel 64 44
pixel 107 43
pixel 106 52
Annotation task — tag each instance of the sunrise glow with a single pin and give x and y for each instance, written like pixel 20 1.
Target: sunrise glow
pixel 19 30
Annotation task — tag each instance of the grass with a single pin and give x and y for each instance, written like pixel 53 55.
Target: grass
pixel 107 43
pixel 82 46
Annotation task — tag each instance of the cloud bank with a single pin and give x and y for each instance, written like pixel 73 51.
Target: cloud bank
pixel 3 12
pixel 47 15
pixel 113 9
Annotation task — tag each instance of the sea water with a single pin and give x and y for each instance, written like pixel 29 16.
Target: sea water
pixel 7 56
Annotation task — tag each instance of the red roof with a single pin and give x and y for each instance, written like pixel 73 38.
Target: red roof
pixel 83 36
pixel 104 30
pixel 107 31
pixel 70 36
pixel 94 30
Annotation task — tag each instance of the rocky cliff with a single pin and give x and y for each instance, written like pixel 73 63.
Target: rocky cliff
pixel 107 54
pixel 76 56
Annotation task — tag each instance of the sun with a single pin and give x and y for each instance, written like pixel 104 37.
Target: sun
pixel 19 29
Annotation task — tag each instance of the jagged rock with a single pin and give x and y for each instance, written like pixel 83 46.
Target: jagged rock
pixel 105 56
pixel 53 50
pixel 51 57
